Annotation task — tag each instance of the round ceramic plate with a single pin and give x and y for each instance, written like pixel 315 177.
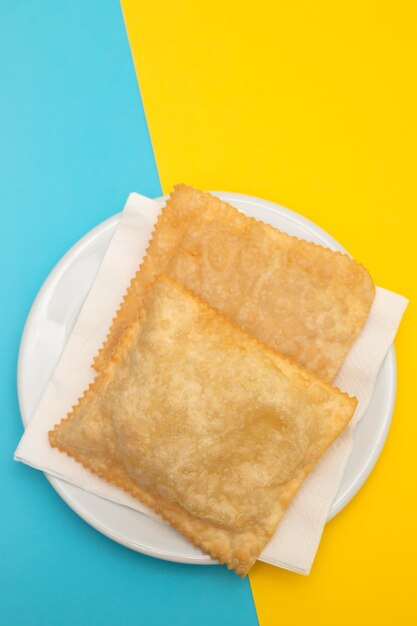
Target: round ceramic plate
pixel 44 338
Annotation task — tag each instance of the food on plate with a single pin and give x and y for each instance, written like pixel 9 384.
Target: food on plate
pixel 303 300
pixel 199 420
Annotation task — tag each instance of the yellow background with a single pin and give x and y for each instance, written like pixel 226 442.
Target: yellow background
pixel 313 105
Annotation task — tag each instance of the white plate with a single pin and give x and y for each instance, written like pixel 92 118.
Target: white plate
pixel 44 338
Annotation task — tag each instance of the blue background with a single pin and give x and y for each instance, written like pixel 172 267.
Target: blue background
pixel 73 144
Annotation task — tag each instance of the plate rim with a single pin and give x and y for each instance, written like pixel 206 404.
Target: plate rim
pixel 68 259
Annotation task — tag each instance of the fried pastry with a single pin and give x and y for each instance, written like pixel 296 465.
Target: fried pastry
pixel 202 422
pixel 303 300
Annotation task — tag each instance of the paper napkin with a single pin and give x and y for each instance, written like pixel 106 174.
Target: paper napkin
pixel 296 540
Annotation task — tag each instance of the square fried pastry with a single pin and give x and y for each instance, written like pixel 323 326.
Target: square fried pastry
pixel 303 300
pixel 203 423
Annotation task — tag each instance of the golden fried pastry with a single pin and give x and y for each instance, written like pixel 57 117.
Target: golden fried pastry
pixel 301 299
pixel 203 423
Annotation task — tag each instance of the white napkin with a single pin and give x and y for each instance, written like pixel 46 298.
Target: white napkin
pixel 298 535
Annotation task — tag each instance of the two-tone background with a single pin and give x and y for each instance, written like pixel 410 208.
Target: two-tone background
pixel 311 104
